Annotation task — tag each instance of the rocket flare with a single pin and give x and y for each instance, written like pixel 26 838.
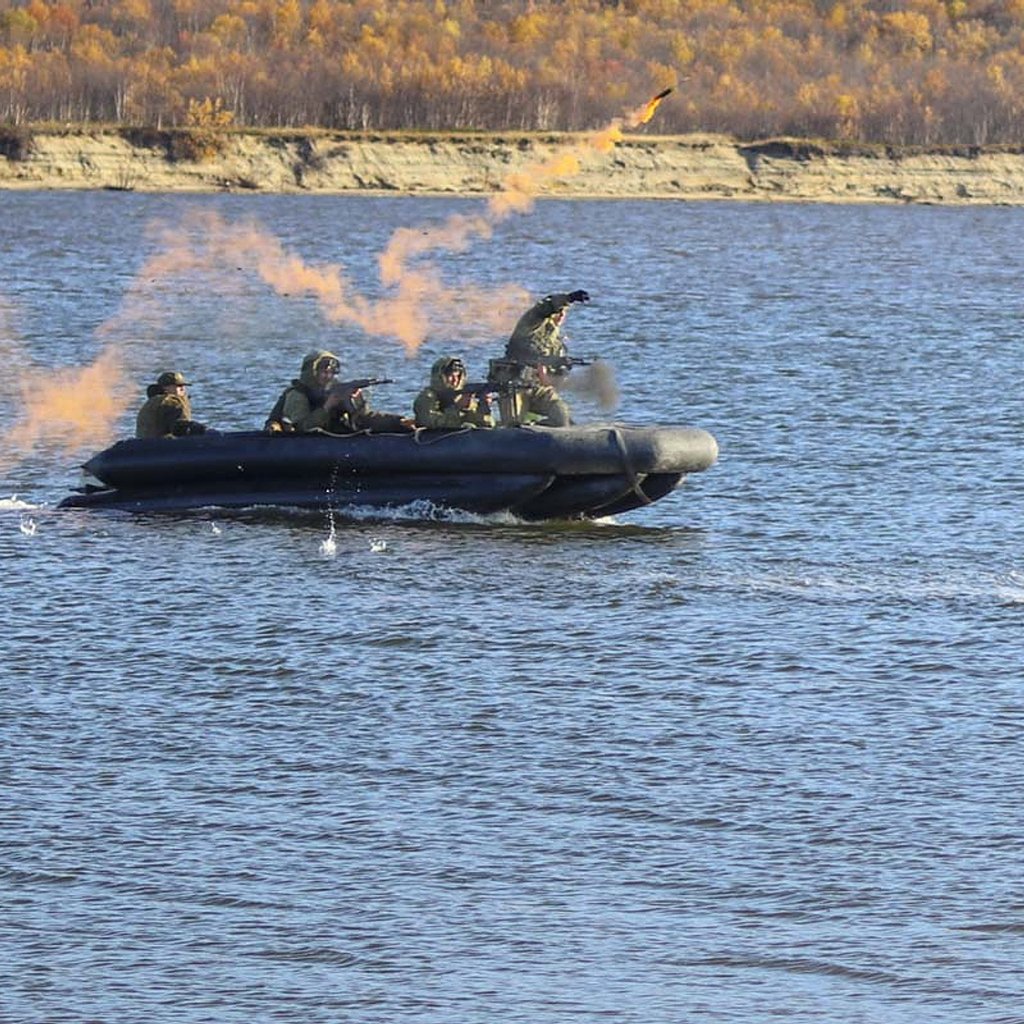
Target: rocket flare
pixel 647 112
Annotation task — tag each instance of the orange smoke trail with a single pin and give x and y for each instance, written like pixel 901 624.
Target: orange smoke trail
pixel 455 235
pixel 420 303
pixel 79 407
pixel 519 189
pixel 517 195
pixel 74 409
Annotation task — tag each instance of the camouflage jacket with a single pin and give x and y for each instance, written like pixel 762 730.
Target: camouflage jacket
pixel 435 406
pixel 163 415
pixel 301 406
pixel 536 333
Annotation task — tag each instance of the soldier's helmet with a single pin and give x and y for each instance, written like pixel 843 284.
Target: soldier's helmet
pixel 172 380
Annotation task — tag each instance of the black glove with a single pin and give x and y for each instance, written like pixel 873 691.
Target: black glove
pixel 579 296
pixel 187 428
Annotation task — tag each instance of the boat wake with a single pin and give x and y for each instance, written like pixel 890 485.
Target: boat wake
pixel 422 511
pixel 15 504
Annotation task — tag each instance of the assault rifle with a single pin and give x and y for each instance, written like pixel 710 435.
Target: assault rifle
pixel 348 386
pixel 348 390
pixel 492 387
pixel 562 364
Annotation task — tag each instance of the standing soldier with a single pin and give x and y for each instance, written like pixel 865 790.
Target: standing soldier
pixel 531 357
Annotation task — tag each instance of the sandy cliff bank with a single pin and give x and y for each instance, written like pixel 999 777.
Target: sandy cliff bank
pixel 663 167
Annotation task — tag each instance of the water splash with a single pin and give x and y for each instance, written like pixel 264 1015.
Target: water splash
pixel 329 545
pixel 28 526
pixel 16 504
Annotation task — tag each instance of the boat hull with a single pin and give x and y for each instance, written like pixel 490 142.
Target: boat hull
pixel 535 473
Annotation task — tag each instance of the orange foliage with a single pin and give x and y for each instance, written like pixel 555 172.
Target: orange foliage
pixel 917 71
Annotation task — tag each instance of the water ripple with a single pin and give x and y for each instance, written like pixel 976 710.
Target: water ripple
pixel 751 753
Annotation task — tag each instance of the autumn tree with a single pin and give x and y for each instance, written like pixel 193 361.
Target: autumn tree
pixel 923 72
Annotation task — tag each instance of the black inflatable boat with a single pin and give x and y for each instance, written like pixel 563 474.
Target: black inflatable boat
pixel 534 472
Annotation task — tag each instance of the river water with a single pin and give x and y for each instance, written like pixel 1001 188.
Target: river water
pixel 751 753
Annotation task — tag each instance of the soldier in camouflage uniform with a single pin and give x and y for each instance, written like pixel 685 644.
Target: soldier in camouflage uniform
pixel 168 411
pixel 536 336
pixel 442 406
pixel 306 403
pixel 312 403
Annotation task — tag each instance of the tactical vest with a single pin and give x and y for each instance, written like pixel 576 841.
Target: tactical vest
pixel 276 423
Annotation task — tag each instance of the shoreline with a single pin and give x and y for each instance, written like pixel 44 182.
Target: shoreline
pixel 688 168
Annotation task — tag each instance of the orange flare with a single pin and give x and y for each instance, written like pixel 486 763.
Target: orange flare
pixel 647 111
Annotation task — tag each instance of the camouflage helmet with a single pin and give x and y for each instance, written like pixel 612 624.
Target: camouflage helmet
pixel 443 366
pixel 313 361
